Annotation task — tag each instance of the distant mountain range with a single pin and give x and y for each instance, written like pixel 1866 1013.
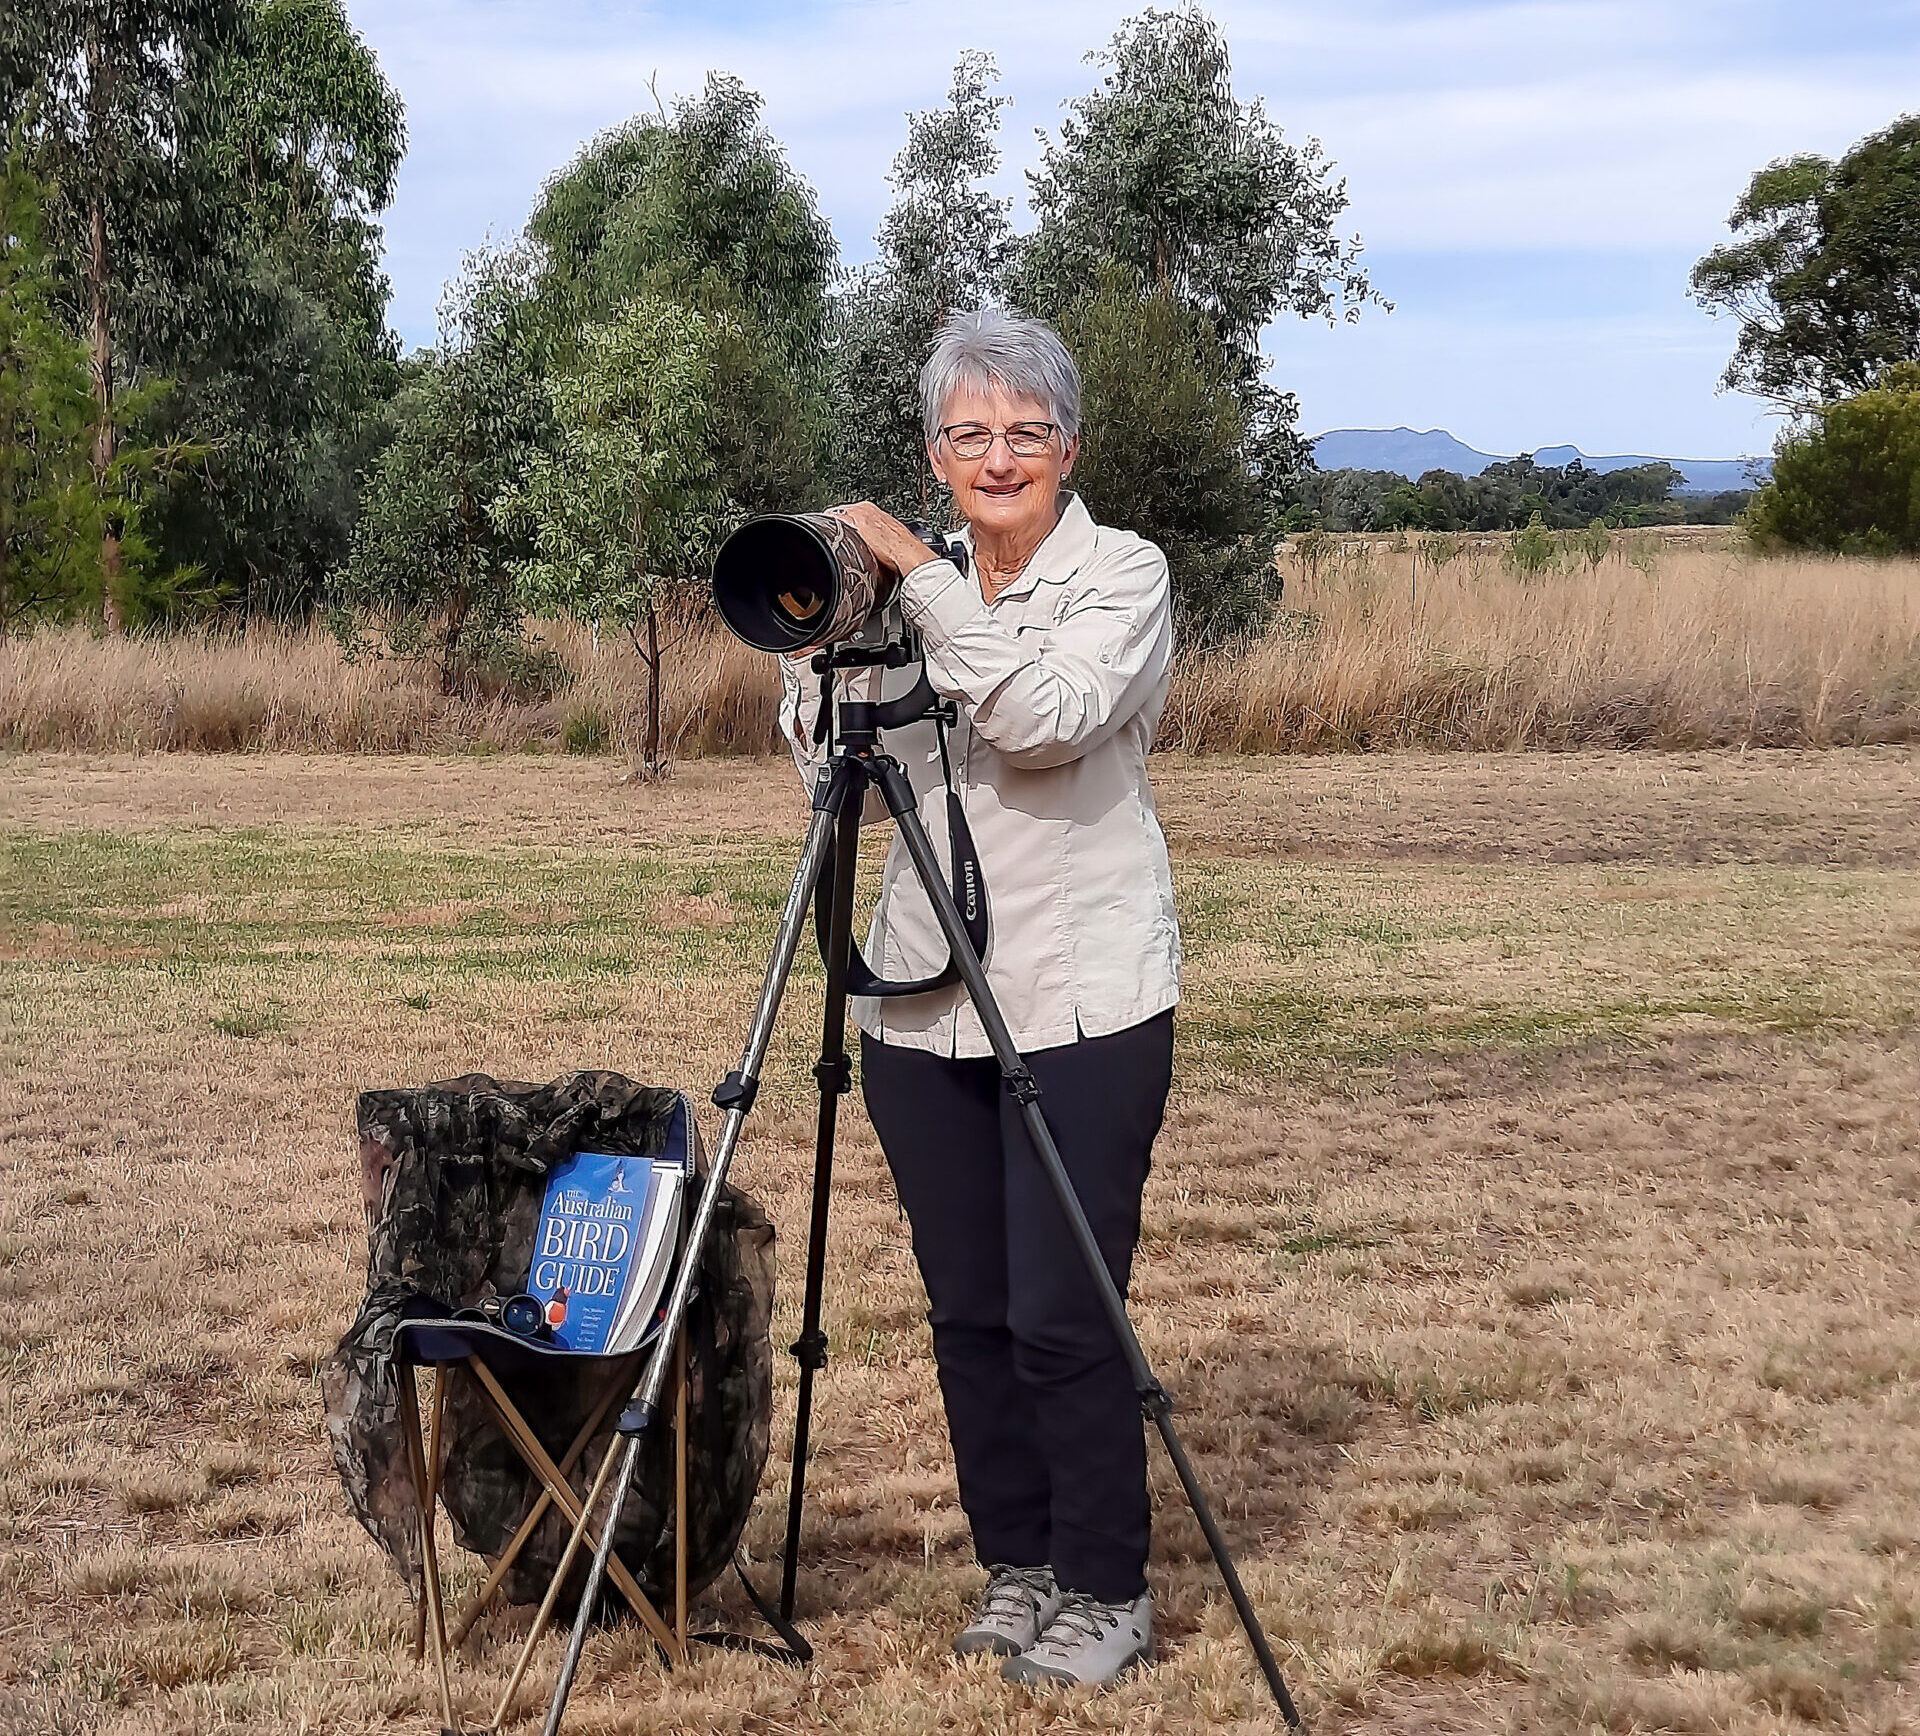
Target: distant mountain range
pixel 1412 453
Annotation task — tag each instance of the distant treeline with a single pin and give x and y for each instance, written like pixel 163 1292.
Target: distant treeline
pixel 1505 496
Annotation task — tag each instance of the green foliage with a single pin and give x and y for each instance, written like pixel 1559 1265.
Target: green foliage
pixel 111 105
pixel 630 498
pixel 309 123
pixel 1164 169
pixel 702 208
pixel 1533 549
pixel 215 165
pixel 108 95
pixel 430 564
pixel 51 514
pixel 1165 173
pixel 1849 483
pixel 56 505
pixel 944 248
pixel 1593 544
pixel 586 730
pixel 1163 451
pixel 1824 272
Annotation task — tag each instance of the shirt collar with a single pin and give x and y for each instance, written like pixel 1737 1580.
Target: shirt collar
pixel 1060 555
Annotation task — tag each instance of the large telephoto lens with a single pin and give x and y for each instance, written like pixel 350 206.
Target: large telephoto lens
pixel 789 582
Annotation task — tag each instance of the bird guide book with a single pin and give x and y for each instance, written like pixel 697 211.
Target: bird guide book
pixel 609 1230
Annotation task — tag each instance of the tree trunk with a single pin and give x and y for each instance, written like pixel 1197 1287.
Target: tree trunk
pixel 653 692
pixel 457 609
pixel 9 439
pixel 98 97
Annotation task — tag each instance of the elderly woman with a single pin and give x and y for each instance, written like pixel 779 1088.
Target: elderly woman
pixel 1056 648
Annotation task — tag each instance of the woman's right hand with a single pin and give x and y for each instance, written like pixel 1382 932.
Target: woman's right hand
pixel 893 545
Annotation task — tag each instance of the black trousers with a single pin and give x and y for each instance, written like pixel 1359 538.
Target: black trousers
pixel 1048 1439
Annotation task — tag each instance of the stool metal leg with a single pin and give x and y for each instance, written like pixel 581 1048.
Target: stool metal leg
pixel 527 1444
pixel 437 1405
pixel 435 1624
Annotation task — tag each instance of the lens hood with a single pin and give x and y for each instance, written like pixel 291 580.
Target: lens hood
pixel 787 582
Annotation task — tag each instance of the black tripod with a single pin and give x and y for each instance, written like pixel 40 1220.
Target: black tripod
pixel 857 765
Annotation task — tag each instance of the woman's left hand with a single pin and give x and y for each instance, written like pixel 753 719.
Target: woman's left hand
pixel 892 543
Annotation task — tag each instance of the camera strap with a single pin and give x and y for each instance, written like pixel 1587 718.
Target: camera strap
pixel 969 893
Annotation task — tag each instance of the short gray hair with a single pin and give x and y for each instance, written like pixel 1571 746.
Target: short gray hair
pixel 993 348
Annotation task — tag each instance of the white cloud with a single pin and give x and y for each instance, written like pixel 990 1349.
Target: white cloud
pixel 1590 126
pixel 1581 162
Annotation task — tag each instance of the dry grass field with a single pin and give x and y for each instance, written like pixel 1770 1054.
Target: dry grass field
pixel 1379 644
pixel 1530 1248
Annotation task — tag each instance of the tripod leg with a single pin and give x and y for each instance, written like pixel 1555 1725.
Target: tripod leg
pixel 834 1074
pixel 1020 1082
pixel 735 1095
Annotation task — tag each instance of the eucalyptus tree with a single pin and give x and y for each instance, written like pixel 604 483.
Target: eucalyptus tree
pixel 283 353
pixel 109 95
pixel 629 498
pixel 1163 449
pixel 944 247
pixel 1823 273
pixel 1166 173
pixel 1848 481
pixel 699 206
pixel 215 166
pixel 1165 170
pixel 432 570
pixel 51 509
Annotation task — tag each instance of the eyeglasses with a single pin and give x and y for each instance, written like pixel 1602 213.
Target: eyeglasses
pixel 1024 439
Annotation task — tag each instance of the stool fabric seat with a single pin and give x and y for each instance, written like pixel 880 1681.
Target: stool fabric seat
pixel 436 1341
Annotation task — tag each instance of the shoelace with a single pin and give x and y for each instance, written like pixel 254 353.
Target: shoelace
pixel 1080 1618
pixel 1015 1591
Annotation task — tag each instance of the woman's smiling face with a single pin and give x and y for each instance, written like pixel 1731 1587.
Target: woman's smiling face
pixel 1005 494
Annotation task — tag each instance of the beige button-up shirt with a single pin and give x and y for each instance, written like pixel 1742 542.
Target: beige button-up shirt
pixel 1060 682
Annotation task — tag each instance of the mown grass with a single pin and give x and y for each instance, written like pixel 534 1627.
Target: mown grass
pixel 1290 970
pixel 1528 1251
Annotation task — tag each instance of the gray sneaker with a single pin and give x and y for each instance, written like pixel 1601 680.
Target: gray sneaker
pixel 1087 1642
pixel 1014 1610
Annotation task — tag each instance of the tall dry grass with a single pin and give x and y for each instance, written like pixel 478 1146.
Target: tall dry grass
pixel 1374 649
pixel 272 688
pixel 1695 648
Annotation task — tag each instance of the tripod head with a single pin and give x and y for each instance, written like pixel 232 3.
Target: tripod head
pixel 857 722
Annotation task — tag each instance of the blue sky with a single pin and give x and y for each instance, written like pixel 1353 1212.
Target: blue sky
pixel 1532 180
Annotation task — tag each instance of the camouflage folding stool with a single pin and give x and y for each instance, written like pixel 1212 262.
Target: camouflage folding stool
pixel 454 1176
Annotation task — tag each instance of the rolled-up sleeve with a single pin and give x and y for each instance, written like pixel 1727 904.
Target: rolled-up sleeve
pixel 1043 698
